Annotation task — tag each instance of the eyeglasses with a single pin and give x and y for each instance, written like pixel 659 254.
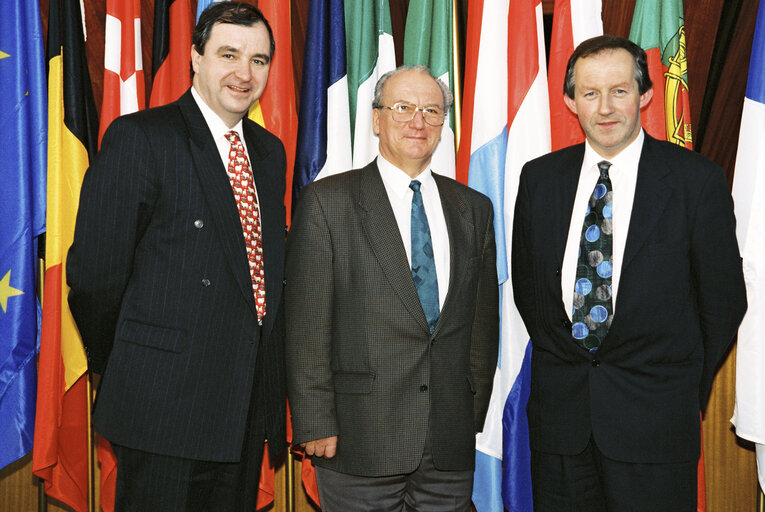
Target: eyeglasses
pixel 404 112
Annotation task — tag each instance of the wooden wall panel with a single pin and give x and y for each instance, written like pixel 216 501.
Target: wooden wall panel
pixel 731 473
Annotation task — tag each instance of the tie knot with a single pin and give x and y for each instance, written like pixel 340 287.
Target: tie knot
pixel 603 168
pixel 232 137
pixel 415 185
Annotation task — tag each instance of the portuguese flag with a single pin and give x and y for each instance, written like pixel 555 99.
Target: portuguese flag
pixel 658 28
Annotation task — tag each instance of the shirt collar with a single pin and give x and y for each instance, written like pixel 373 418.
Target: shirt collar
pixel 216 125
pixel 398 181
pixel 627 157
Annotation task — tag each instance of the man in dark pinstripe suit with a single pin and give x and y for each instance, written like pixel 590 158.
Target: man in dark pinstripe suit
pixel 163 289
pixel 384 395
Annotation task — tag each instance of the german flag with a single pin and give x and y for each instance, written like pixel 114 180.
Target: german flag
pixel 171 56
pixel 275 110
pixel 61 434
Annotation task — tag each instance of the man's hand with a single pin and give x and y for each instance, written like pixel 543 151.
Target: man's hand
pixel 325 447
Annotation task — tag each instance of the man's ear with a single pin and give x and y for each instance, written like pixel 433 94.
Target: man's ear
pixel 376 121
pixel 571 104
pixel 645 98
pixel 195 59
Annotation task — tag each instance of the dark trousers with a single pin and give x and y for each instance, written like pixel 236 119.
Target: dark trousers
pixel 591 482
pixel 427 489
pixel 152 482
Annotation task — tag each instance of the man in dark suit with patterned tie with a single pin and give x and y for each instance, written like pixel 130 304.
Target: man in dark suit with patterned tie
pixel 176 276
pixel 392 317
pixel 627 274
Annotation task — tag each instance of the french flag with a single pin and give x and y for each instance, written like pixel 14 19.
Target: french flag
pixel 506 122
pixel 324 122
pixel 748 194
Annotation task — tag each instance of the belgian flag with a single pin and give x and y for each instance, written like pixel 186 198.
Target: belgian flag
pixel 61 434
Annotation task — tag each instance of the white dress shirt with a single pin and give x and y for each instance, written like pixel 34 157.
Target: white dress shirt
pixel 219 130
pixel 623 174
pixel 400 195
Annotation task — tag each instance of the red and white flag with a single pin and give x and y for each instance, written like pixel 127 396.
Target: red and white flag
pixel 573 22
pixel 124 87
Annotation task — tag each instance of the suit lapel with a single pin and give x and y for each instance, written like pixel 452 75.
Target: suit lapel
pixel 561 201
pixel 265 171
pixel 217 190
pixel 459 229
pixel 651 196
pixel 384 238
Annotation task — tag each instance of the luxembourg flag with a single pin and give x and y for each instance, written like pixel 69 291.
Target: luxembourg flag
pixel 324 126
pixel 505 124
pixel 574 21
pixel 748 194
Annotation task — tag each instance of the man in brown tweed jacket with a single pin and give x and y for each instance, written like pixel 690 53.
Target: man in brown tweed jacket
pixel 386 395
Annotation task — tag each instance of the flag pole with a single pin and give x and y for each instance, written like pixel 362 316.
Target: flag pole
pixel 91 480
pixel 457 76
pixel 289 476
pixel 760 499
pixel 42 501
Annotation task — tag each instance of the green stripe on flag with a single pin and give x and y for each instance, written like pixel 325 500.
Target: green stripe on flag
pixel 428 39
pixel 365 20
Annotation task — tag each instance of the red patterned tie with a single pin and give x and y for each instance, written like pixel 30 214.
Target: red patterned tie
pixel 240 175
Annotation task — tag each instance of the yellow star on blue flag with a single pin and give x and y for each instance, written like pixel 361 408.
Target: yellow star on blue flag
pixel 6 291
pixel 23 152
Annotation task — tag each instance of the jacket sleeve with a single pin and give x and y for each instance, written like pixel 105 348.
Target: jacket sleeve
pixel 114 210
pixel 521 257
pixel 308 305
pixel 484 344
pixel 718 275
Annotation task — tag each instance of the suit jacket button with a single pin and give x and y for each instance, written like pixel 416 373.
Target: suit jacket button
pixel 557 272
pixel 595 363
pixel 423 388
pixel 205 282
pixel 566 323
pixel 199 223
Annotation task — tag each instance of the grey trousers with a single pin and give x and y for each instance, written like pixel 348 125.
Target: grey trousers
pixel 427 489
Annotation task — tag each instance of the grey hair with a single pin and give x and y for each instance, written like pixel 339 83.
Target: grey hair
pixel 445 91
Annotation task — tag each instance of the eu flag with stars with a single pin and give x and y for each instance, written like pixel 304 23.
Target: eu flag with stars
pixel 23 143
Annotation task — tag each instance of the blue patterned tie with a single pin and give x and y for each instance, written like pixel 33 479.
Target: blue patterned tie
pixel 423 263
pixel 593 308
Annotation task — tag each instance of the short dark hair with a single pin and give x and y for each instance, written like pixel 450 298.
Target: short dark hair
pixel 446 93
pixel 234 13
pixel 600 44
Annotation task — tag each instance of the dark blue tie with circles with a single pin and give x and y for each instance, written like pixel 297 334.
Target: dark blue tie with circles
pixel 593 307
pixel 423 262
